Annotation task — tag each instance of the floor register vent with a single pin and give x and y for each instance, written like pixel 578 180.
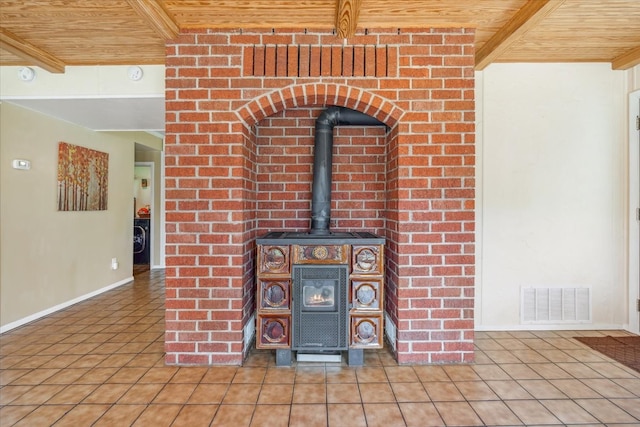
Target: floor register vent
pixel 555 305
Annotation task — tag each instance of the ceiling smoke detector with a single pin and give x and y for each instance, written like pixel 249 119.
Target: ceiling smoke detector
pixel 26 74
pixel 135 73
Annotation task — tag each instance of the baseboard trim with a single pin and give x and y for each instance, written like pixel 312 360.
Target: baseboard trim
pixel 38 315
pixel 550 327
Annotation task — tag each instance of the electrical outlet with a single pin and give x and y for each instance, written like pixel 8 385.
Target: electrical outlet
pixel 114 263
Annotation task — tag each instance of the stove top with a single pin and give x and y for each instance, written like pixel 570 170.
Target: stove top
pixel 335 238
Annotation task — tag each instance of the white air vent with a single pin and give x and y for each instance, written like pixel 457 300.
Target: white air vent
pixel 390 331
pixel 249 331
pixel 555 305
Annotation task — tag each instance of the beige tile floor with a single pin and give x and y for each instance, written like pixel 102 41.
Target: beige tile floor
pixel 100 363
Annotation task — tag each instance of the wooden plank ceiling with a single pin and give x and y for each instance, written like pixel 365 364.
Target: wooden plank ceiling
pixel 54 34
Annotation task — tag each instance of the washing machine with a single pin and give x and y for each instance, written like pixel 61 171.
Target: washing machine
pixel 141 240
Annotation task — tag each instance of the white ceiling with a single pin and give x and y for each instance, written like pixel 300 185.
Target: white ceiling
pixel 103 114
pixel 100 98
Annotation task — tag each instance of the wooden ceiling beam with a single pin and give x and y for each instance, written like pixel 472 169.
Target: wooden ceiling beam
pixel 347 13
pixel 157 17
pixel 29 52
pixel 626 60
pixel 525 19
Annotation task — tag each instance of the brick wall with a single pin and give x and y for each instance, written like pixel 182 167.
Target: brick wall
pixel 240 113
pixel 285 163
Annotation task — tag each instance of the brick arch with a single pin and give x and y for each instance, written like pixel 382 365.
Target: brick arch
pixel 320 94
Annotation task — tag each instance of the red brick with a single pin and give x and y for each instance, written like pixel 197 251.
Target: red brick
pixel 194 272
pixel 193 94
pixel 214 347
pixel 448 357
pixel 192 359
pixel 270 61
pixel 181 347
pixel 192 315
pixel 358 61
pixel 315 55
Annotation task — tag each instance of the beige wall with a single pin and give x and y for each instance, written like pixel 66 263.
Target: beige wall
pixel 552 189
pixel 50 258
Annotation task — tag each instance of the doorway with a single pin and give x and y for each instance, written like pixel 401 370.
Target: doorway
pixel 143 209
pixel 634 212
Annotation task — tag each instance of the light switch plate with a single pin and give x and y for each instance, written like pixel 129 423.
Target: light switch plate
pixel 21 164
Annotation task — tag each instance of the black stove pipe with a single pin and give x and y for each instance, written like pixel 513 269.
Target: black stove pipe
pixel 322 161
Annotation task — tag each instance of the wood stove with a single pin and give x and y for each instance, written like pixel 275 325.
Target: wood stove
pixel 320 295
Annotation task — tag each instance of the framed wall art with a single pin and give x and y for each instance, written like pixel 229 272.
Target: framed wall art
pixel 82 178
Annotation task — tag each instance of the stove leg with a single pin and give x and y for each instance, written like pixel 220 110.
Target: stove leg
pixel 355 357
pixel 283 357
